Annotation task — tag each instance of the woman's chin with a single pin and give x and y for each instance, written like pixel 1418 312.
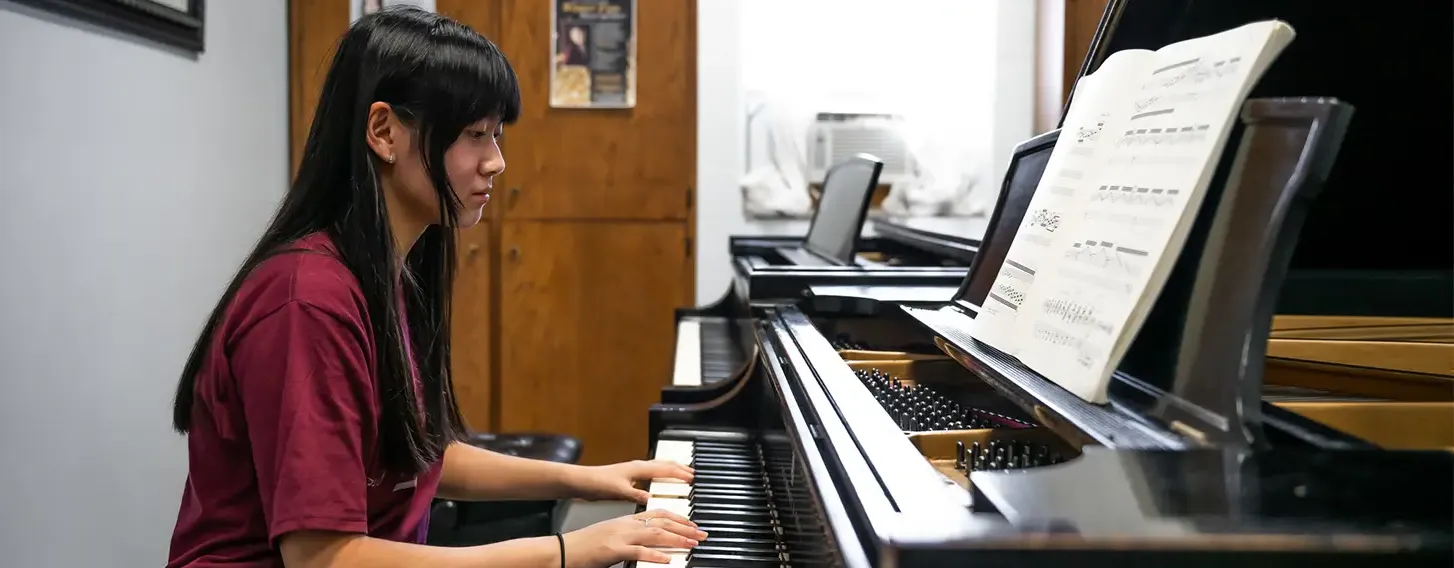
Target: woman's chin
pixel 471 217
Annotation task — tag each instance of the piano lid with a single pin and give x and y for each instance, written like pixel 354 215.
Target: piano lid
pixel 1376 241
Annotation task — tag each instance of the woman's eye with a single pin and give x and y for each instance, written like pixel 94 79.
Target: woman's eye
pixel 478 134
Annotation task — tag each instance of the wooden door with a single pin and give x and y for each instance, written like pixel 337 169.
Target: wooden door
pixel 471 338
pixel 1082 17
pixel 1065 29
pixel 473 341
pixel 635 163
pixel 595 224
pixel 314 27
pixel 586 327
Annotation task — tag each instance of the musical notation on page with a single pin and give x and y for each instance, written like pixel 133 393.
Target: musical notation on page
pixel 1116 201
pixel 1193 73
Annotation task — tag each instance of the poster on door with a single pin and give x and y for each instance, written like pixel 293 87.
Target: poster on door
pixel 361 8
pixel 593 54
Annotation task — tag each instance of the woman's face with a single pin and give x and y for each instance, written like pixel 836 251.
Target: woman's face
pixel 470 164
pixel 578 36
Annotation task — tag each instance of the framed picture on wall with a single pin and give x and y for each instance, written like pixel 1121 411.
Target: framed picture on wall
pixel 177 23
pixel 361 8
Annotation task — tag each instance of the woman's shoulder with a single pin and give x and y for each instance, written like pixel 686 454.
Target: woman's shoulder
pixel 306 272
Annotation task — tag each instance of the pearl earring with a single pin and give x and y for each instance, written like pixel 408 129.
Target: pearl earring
pixel 389 159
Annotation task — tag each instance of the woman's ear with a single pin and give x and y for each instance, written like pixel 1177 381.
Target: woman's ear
pixel 382 132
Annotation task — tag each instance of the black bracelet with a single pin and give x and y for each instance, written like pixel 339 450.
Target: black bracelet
pixel 561 540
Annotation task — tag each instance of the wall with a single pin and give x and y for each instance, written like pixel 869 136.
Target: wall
pixel 742 44
pixel 721 119
pixel 1050 59
pixel 1012 105
pixel 132 181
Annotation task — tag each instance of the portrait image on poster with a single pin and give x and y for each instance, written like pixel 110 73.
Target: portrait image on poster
pixel 594 54
pixel 361 8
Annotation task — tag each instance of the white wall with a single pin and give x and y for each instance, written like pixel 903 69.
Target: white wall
pixel 993 40
pixel 721 119
pixel 132 181
pixel 1012 104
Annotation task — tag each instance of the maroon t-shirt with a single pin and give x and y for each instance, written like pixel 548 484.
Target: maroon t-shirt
pixel 285 431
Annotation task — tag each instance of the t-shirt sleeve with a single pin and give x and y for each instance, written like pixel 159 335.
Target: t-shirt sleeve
pixel 307 396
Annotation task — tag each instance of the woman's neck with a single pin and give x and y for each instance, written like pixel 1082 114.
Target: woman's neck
pixel 404 223
pixel 405 235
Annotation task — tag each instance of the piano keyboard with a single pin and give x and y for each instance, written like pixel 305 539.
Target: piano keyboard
pixel 705 352
pixel 748 499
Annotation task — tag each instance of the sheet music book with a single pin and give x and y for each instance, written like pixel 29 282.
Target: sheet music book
pixel 1138 149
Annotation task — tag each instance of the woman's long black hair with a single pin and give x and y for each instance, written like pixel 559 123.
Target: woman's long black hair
pixel 439 76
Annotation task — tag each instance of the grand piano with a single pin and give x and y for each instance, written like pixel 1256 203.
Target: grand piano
pixel 880 433
pixel 835 254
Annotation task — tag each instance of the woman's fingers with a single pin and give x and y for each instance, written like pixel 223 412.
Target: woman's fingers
pixel 665 514
pixel 687 529
pixel 641 497
pixel 644 554
pixel 663 469
pixel 666 537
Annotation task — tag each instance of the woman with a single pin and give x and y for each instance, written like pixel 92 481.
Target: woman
pixel 318 406
pixel 574 51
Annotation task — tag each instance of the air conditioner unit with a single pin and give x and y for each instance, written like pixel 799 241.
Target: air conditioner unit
pixel 835 137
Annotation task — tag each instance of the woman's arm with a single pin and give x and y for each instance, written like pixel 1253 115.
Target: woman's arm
pixel 475 474
pixel 641 537
pixel 316 549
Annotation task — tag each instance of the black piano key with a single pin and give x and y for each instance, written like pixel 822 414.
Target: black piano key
pixel 735 560
pixel 731 515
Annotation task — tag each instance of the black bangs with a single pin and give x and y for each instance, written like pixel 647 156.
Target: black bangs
pixel 442 72
pixel 474 76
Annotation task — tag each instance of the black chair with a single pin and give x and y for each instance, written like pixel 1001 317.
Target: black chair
pixel 462 523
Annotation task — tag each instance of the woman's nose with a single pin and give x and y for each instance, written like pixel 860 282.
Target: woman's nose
pixel 493 166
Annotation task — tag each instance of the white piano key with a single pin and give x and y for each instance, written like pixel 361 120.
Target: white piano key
pixel 674 450
pixel 676 505
pixel 669 488
pixel 678 560
pixel 688 370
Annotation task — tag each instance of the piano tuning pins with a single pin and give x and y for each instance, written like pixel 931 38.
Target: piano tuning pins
pixel 1003 455
pixel 920 408
pixel 843 342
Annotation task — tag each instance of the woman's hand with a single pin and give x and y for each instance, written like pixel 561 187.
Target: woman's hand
pixel 618 481
pixel 630 538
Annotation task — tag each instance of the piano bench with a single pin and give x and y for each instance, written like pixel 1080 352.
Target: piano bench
pixel 557 448
pixel 461 523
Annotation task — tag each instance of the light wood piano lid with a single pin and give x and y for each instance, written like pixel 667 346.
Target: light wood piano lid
pixel 1392 425
pixel 1424 330
pixel 1406 359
